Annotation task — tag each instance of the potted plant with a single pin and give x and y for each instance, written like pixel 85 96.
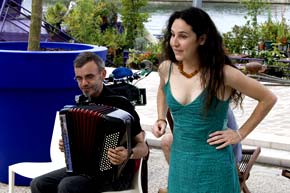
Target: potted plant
pixel 282 30
pixel 244 39
pixel 151 52
pixel 268 31
pixel 272 59
pixel 54 16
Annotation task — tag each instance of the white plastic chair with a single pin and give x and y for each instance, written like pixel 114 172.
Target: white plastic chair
pixel 137 180
pixel 136 184
pixel 34 169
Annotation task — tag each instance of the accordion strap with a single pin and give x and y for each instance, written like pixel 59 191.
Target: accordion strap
pixel 129 148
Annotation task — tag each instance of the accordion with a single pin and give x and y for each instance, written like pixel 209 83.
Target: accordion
pixel 88 132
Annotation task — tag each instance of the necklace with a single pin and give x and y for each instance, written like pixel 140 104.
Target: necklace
pixel 180 68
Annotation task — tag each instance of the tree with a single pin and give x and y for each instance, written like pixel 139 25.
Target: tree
pixel 35 25
pixel 133 19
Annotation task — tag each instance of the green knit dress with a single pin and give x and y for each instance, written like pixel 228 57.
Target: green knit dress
pixel 196 166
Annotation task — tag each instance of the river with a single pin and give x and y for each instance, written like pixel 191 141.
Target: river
pixel 225 15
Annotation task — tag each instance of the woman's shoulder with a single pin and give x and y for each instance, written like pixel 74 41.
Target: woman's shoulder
pixel 164 66
pixel 230 70
pixel 165 63
pixel 233 76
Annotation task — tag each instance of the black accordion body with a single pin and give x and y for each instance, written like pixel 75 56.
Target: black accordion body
pixel 88 132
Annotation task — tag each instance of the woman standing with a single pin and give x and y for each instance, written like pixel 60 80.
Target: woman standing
pixel 197 83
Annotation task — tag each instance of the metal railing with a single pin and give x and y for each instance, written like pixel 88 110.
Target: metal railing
pixel 11 12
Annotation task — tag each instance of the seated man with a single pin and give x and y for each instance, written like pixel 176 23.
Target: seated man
pixel 90 73
pixel 166 142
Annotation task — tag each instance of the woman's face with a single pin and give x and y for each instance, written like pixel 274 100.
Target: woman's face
pixel 183 41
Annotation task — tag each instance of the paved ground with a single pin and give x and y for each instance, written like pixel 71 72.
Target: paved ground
pixel 273 132
pixel 263 178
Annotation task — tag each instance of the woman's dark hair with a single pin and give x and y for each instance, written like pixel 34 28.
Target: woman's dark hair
pixel 212 55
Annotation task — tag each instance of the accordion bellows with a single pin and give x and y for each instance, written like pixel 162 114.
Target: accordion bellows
pixel 88 132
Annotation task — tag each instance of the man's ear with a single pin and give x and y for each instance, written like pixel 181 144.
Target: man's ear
pixel 202 39
pixel 104 73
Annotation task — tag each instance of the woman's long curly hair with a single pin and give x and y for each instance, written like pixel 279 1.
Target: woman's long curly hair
pixel 212 54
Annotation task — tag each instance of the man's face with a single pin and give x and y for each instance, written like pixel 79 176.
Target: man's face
pixel 90 79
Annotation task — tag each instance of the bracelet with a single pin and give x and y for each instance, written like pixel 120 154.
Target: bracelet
pixel 162 120
pixel 238 132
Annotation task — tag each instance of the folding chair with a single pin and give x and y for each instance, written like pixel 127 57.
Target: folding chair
pixel 286 173
pixel 249 156
pixel 34 169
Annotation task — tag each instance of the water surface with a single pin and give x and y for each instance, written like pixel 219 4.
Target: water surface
pixel 224 15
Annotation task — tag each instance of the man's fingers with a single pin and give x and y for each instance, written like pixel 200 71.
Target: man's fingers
pixel 114 158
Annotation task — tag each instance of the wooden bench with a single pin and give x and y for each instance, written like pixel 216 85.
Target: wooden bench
pixel 286 173
pixel 249 157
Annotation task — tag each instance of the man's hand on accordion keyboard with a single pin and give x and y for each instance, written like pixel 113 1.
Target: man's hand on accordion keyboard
pixel 118 155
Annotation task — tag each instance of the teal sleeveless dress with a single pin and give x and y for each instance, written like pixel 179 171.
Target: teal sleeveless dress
pixel 196 166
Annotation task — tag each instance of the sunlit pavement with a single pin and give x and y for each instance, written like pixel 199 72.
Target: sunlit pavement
pixel 273 135
pixel 263 178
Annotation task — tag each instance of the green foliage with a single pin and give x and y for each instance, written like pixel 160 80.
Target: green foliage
pixel 55 14
pixel 241 40
pixel 244 39
pixel 254 8
pixel 95 22
pixel 152 52
pixel 133 19
pixel 275 31
pixel 234 40
pixel 282 31
pixel 154 47
pixel 52 2
pixel 85 19
pixel 268 31
pixel 83 22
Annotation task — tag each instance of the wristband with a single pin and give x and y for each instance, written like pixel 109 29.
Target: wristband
pixel 162 120
pixel 238 132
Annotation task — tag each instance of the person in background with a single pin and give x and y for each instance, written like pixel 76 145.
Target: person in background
pixel 90 73
pixel 197 83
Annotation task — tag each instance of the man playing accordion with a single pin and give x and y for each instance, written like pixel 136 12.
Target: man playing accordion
pixel 90 73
